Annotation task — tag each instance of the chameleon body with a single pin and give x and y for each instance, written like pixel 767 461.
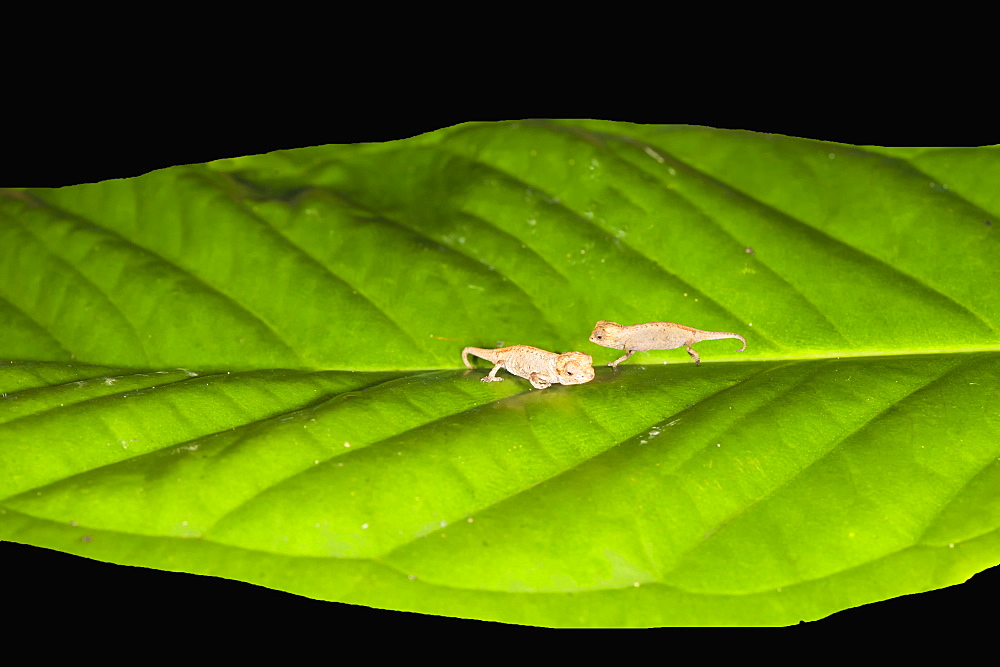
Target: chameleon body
pixel 541 368
pixel 653 336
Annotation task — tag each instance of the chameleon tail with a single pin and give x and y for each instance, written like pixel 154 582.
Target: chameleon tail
pixel 466 352
pixel 716 335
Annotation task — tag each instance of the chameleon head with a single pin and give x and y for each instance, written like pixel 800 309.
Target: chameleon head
pixel 606 333
pixel 574 368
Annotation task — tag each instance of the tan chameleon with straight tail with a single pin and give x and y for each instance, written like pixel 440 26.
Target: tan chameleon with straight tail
pixel 653 336
pixel 541 368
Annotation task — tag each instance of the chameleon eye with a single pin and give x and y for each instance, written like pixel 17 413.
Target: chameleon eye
pixel 600 338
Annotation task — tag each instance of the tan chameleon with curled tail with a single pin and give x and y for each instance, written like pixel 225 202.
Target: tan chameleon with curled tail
pixel 541 368
pixel 653 336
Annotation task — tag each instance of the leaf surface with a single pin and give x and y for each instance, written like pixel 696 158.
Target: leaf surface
pixel 250 368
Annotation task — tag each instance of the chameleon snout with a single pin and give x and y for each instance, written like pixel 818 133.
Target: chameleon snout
pixel 575 368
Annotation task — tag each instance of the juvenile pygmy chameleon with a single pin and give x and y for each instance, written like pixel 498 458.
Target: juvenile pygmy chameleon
pixel 541 368
pixel 653 336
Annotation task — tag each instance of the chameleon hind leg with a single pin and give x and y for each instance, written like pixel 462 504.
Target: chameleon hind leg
pixel 694 355
pixel 492 377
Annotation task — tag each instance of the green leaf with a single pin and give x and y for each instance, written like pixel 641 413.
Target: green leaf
pixel 251 368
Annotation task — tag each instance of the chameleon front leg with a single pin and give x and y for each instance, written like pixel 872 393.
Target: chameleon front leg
pixel 538 382
pixel 614 364
pixel 694 355
pixel 492 377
